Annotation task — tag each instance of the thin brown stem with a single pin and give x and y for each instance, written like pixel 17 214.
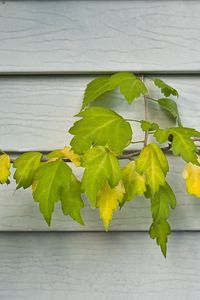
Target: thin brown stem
pixel 129 154
pixel 145 117
pixel 150 98
pixel 137 142
pixel 133 120
pixel 145 114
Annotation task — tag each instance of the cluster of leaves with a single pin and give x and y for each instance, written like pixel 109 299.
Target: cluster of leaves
pixel 99 137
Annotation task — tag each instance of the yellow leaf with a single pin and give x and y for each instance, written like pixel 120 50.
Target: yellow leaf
pixel 134 183
pixel 191 174
pixel 108 201
pixel 70 154
pixel 4 168
pixel 66 152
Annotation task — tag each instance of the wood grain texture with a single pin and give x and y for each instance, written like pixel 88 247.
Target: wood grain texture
pixel 98 266
pixel 36 112
pixel 98 36
pixel 19 212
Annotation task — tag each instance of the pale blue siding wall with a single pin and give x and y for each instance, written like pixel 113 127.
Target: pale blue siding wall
pixel 49 51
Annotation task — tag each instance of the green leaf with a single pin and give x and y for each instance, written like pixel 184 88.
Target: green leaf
pixel 131 87
pixel 71 200
pixel 153 163
pixel 26 166
pixel 100 126
pixel 182 143
pixel 160 232
pixel 49 180
pixel 100 165
pixel 166 89
pixel 134 183
pixel 96 88
pixel 148 126
pixel 163 199
pixel 170 106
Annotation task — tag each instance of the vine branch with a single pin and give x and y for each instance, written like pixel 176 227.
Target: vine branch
pixel 128 154
pixel 145 117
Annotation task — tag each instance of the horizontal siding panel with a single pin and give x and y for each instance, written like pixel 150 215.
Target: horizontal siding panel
pixel 36 112
pixel 98 266
pixel 19 212
pixel 98 36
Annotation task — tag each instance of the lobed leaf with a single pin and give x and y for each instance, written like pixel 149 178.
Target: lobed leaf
pixel 108 201
pixel 96 88
pixel 181 140
pixel 134 183
pixel 170 106
pixel 148 126
pixel 26 165
pixel 166 89
pixel 131 87
pixel 160 232
pixel 100 126
pixel 100 164
pixel 71 200
pixel 161 202
pixel 49 180
pixel 153 163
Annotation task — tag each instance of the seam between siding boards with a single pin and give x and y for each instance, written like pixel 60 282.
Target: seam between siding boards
pixel 90 73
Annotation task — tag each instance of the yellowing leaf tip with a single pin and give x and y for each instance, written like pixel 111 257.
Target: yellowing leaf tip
pixel 108 201
pixel 191 174
pixel 4 168
pixel 74 157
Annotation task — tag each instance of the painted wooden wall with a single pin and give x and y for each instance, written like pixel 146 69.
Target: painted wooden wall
pixel 49 51
pixel 92 36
